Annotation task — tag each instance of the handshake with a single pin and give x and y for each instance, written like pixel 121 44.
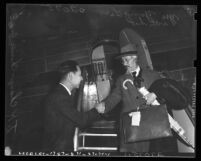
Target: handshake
pixel 100 107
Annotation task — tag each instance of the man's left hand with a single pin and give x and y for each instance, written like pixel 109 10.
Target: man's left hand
pixel 100 107
pixel 150 98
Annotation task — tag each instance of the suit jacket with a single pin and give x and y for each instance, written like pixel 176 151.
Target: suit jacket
pixel 131 99
pixel 61 118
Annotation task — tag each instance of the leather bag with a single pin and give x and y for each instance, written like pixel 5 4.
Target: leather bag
pixel 154 123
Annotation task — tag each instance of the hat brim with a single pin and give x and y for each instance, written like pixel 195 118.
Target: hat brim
pixel 129 53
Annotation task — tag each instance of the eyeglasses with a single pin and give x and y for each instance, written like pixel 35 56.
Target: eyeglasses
pixel 128 59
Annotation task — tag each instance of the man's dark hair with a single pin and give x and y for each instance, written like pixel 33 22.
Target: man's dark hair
pixel 66 67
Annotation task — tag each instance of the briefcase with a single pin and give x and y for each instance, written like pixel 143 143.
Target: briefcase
pixel 153 124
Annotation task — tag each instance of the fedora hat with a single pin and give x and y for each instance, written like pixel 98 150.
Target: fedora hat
pixel 127 46
pixel 127 50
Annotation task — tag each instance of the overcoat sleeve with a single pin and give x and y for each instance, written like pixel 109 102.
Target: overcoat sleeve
pixel 81 119
pixel 114 98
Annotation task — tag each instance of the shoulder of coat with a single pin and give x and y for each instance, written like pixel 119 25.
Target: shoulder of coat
pixel 149 71
pixel 125 76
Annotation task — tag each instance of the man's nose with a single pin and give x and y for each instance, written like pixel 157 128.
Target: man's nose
pixel 126 63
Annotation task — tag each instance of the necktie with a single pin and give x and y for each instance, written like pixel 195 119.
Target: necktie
pixel 137 80
pixel 134 74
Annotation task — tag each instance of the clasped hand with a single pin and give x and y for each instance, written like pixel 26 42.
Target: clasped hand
pixel 100 107
pixel 150 98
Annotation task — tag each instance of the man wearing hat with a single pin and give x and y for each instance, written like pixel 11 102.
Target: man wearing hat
pixel 132 80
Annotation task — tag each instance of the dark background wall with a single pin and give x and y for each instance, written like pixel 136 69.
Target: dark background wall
pixel 172 51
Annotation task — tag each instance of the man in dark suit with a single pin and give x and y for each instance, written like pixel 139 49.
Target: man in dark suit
pixel 134 78
pixel 61 115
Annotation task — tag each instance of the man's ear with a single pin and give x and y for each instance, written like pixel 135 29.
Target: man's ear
pixel 69 76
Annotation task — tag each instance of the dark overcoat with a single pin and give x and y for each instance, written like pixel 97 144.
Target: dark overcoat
pixel 61 118
pixel 130 101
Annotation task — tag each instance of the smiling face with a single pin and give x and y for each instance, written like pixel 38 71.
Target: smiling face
pixel 130 62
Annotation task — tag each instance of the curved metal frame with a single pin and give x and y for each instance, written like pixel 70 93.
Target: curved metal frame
pixel 77 132
pixel 100 42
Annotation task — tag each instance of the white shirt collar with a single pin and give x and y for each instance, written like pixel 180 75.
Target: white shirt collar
pixel 66 88
pixel 137 71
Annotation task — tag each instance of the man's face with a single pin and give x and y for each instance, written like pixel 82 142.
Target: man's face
pixel 130 62
pixel 77 78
